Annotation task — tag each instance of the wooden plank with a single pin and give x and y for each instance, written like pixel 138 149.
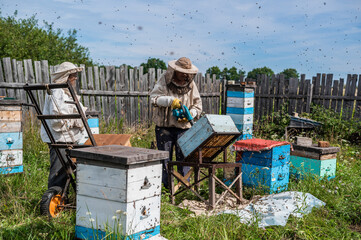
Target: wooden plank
pixel 304 91
pixel 328 90
pixel 309 96
pixel 110 82
pixel 21 79
pixel 334 93
pixel 97 87
pixel 263 80
pixel 316 88
pixel 358 102
pixel 340 93
pixel 276 83
pixel 105 105
pixel 127 98
pixel 15 78
pixel 323 88
pixel 39 80
pixel 8 76
pixel 348 104
pixel 135 99
pixel 120 100
pixel 269 105
pixel 90 86
pixel 131 98
pixel 84 86
pixel 142 100
pixel 218 98
pixel 117 99
pixel 300 101
pixel 10 126
pixel 2 80
pixel 14 116
pixel 293 85
pixel 151 83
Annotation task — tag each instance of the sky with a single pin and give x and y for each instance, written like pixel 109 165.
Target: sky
pixel 309 35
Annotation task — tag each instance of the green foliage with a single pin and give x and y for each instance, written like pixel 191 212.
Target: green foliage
pixel 290 73
pixel 25 39
pixel 153 63
pixel 229 74
pixel 259 71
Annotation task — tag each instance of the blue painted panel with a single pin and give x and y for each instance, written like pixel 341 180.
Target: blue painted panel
pixel 274 157
pixel 89 233
pixel 234 110
pixel 245 137
pixel 240 94
pixel 271 180
pixel 11 170
pixel 301 166
pixel 93 122
pixel 10 141
pixel 245 127
pixel 241 118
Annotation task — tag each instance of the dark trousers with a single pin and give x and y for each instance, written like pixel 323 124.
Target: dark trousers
pixel 57 174
pixel 166 141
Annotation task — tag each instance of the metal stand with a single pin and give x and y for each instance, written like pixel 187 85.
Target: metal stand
pixel 211 176
pixel 68 164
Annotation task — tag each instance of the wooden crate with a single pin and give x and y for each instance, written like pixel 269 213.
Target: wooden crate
pixel 211 133
pixel 118 191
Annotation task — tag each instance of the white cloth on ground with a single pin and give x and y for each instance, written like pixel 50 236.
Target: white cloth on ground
pixel 276 208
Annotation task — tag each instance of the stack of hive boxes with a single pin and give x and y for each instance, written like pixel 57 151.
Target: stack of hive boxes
pixel 240 106
pixel 11 137
pixel 310 159
pixel 118 192
pixel 265 164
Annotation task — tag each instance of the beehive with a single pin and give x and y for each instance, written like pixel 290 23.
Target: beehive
pixel 265 163
pixel 211 133
pixel 314 160
pixel 118 191
pixel 240 106
pixel 11 137
pixel 93 121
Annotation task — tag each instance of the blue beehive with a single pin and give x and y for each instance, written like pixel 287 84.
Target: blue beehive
pixel 11 137
pixel 240 106
pixel 265 163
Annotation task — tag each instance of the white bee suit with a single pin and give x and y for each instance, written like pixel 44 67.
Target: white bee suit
pixel 63 130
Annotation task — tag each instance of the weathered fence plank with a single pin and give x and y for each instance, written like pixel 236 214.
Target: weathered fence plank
pixel 340 94
pixel 327 92
pixel 348 104
pixel 105 105
pixel 358 102
pixel 293 85
pixel 90 86
pixel 334 93
pixel 110 83
pixel 84 85
pixel 97 87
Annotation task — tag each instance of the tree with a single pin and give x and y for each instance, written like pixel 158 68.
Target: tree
pixel 153 63
pixel 290 73
pixel 229 74
pixel 265 70
pixel 25 39
pixel 214 70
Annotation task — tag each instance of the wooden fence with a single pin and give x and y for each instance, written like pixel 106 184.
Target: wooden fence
pixel 119 93
pixel 273 93
pixel 123 94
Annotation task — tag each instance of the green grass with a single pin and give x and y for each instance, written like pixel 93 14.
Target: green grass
pixel 340 219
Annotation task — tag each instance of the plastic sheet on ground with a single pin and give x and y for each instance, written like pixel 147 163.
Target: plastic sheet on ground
pixel 276 208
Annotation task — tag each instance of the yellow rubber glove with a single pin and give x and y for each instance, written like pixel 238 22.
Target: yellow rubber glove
pixel 182 120
pixel 176 103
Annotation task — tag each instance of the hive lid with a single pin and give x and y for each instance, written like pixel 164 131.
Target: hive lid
pixel 316 149
pixel 256 144
pixel 118 154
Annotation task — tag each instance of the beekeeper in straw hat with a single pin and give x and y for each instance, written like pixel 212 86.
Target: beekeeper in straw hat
pixel 174 88
pixel 63 130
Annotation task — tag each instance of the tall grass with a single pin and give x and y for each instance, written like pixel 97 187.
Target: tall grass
pixel 20 195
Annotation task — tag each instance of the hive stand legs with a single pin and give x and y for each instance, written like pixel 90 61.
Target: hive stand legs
pixel 212 188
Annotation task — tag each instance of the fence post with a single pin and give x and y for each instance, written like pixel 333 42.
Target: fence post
pixel 309 97
pixel 223 95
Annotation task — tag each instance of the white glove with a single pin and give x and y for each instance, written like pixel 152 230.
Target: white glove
pixel 193 113
pixel 164 101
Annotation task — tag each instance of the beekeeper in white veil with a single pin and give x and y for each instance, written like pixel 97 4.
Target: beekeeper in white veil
pixel 63 130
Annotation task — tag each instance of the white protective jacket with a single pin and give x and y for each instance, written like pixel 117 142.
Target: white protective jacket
pixel 63 130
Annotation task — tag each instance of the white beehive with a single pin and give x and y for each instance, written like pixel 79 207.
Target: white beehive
pixel 118 191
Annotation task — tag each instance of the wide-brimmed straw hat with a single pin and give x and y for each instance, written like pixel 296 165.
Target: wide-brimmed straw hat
pixel 183 65
pixel 67 67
